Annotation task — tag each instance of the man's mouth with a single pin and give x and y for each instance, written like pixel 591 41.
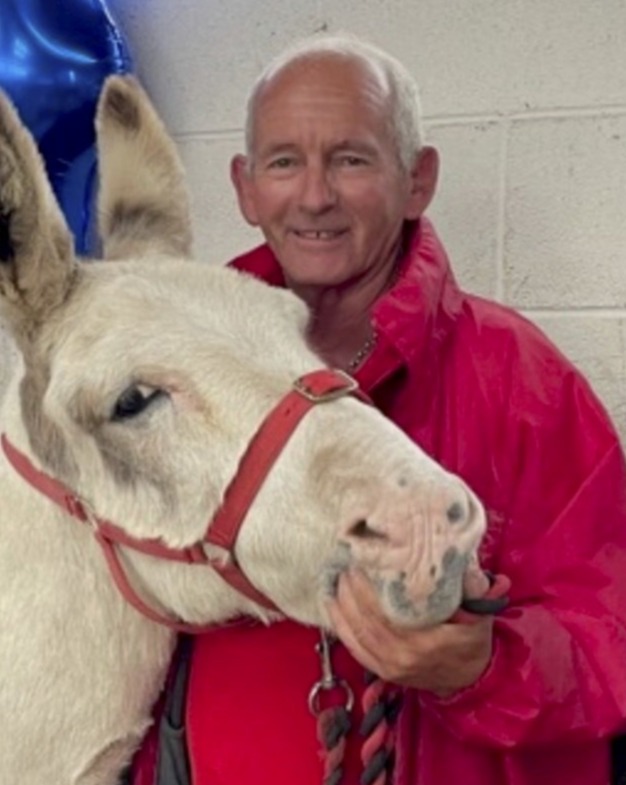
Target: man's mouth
pixel 323 234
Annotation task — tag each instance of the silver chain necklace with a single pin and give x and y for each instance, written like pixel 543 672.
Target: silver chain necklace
pixel 358 358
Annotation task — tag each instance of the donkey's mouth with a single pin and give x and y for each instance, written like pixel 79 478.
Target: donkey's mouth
pixel 341 560
pixel 462 585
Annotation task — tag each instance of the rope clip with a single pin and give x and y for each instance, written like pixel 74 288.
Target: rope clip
pixel 329 680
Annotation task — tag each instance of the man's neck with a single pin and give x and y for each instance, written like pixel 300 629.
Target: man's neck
pixel 340 325
pixel 340 322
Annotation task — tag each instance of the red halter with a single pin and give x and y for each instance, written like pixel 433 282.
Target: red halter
pixel 309 390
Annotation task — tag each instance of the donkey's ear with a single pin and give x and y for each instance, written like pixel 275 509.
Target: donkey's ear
pixel 37 261
pixel 143 203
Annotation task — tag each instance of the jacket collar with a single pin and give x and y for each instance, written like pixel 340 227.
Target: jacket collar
pixel 424 300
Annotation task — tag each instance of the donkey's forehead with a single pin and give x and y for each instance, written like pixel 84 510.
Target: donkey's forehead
pixel 166 311
pixel 139 294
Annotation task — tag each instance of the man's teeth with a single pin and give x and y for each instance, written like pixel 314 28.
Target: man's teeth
pixel 326 235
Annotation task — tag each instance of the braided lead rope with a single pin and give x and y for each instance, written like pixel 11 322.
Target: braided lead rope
pixel 333 726
pixel 381 703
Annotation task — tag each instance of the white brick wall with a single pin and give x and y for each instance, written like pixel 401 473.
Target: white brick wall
pixel 525 99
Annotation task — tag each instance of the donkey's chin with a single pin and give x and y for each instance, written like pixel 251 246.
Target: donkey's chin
pixel 400 605
pixel 418 612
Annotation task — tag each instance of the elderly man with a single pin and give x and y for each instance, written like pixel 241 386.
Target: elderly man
pixel 337 177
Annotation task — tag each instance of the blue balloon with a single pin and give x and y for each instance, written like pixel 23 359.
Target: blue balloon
pixel 54 56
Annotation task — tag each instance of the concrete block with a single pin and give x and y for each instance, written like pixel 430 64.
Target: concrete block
pixel 565 243
pixel 466 207
pixel 199 59
pixel 220 231
pixel 498 56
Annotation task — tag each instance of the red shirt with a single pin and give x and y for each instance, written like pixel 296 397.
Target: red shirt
pixel 485 393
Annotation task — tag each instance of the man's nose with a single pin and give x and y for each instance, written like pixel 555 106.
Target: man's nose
pixel 318 192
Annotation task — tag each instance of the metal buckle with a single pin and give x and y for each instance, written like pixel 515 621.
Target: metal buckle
pixel 329 680
pixel 350 386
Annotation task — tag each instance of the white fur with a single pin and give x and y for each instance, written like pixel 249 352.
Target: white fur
pixel 79 668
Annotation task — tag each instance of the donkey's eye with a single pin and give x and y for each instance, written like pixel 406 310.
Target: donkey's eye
pixel 134 401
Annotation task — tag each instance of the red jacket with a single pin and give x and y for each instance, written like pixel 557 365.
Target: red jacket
pixel 483 391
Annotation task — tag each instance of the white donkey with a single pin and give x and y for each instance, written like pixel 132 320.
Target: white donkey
pixel 141 383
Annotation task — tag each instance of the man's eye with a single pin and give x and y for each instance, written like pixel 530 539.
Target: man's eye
pixel 281 163
pixel 352 160
pixel 134 400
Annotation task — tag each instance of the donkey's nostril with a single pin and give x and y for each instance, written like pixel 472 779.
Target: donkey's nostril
pixel 455 512
pixel 363 531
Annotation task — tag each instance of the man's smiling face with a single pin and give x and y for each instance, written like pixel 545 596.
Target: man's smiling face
pixel 324 181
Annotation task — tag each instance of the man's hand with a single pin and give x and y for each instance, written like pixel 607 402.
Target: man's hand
pixel 442 659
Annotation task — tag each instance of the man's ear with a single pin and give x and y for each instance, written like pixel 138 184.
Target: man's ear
pixel 241 178
pixel 423 174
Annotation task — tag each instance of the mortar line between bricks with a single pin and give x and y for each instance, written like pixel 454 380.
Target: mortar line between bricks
pixel 236 133
pixel 221 134
pixel 578 312
pixel 501 212
pixel 543 114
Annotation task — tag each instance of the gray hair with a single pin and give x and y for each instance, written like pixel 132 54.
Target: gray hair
pixel 394 79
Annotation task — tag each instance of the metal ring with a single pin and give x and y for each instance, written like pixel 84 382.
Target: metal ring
pixel 321 686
